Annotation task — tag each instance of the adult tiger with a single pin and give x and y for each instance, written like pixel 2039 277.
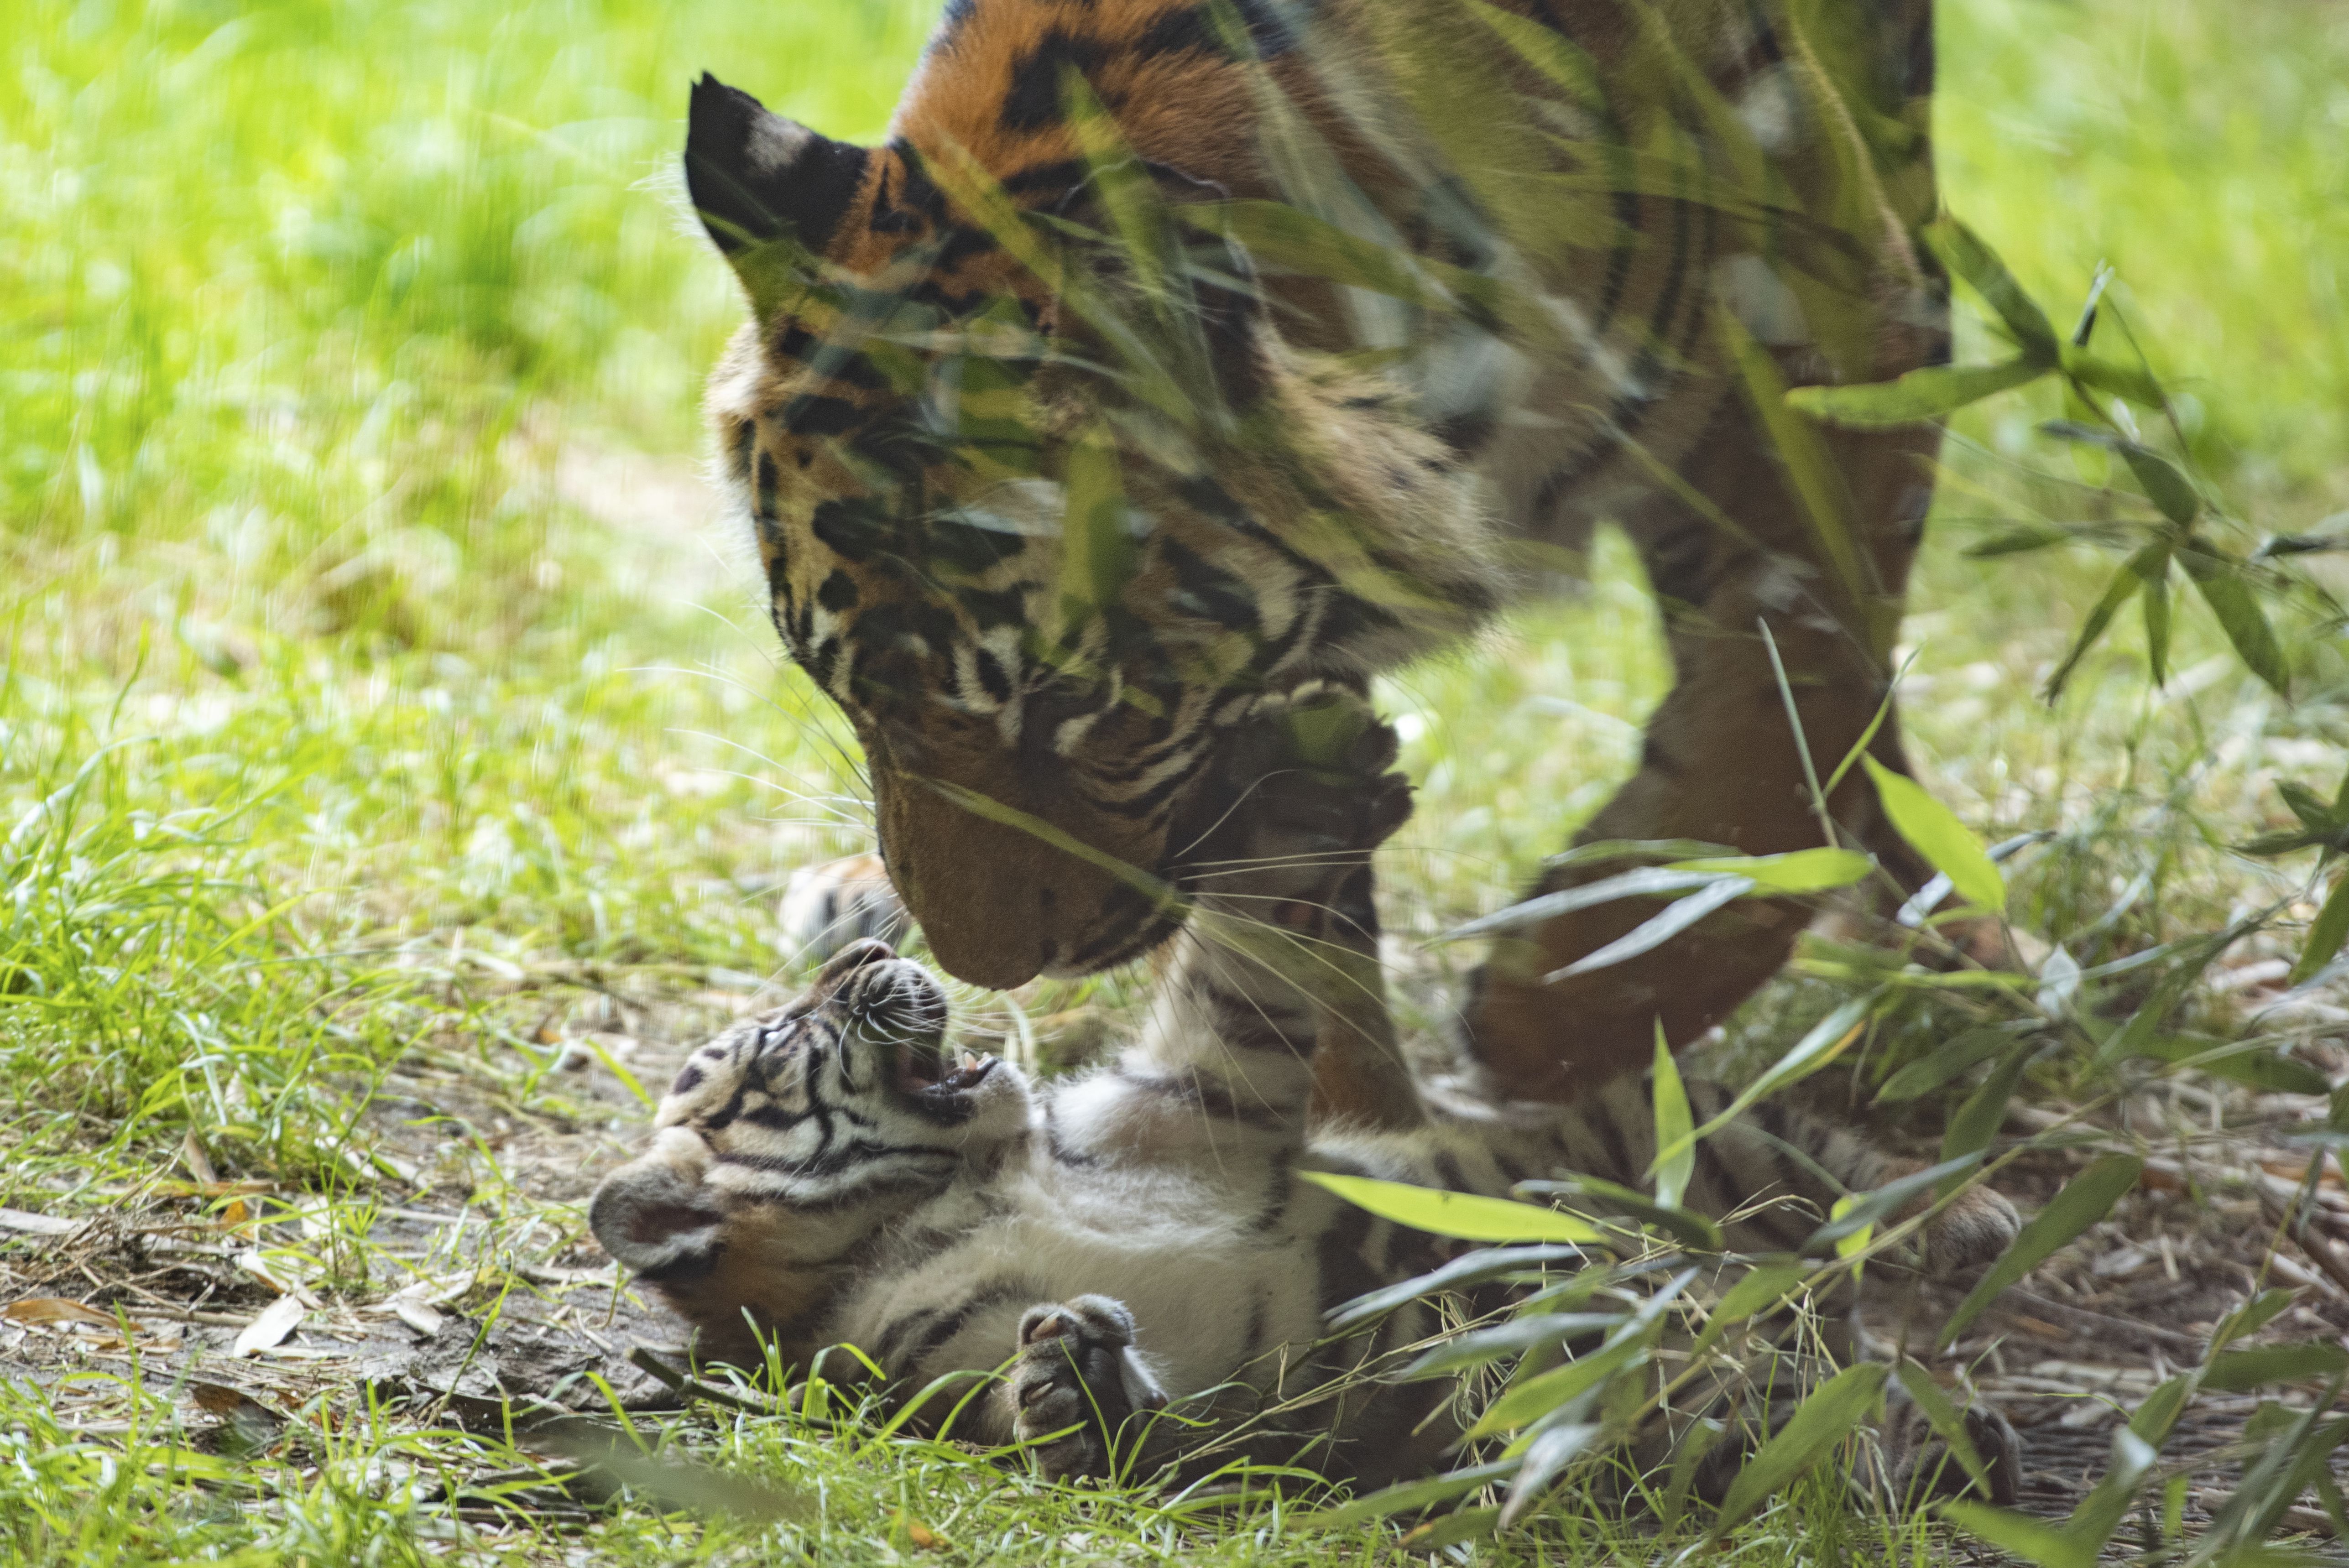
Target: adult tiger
pixel 1445 283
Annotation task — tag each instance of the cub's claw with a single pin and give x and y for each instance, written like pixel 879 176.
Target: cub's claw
pixel 1077 1375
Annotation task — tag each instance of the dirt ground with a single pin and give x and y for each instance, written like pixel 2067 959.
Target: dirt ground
pixel 484 1300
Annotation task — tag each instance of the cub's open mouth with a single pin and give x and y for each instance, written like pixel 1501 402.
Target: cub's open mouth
pixel 923 1073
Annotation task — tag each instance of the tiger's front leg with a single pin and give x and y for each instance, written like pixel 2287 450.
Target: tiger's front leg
pixel 1286 913
pixel 1721 763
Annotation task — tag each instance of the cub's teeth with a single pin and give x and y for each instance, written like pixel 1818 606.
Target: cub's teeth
pixel 970 1061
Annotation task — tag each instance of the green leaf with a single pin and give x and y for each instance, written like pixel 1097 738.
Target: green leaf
pixel 1819 1423
pixel 2250 1318
pixel 1859 1211
pixel 2223 588
pixel 1763 1288
pixel 1685 1226
pixel 2326 934
pixel 2128 381
pixel 2125 583
pixel 1657 929
pixel 2165 484
pixel 1933 831
pixel 1932 393
pixel 2159 1413
pixel 1977 1122
pixel 1536 1396
pixel 1977 264
pixel 2033 1539
pixel 1409 1497
pixel 1797 872
pixel 1549 1453
pixel 2239 1061
pixel 1814 1051
pixel 1481 1346
pixel 2089 1198
pixel 2018 541
pixel 1674 1125
pixel 2233 1371
pixel 1645 881
pixel 1928 1073
pixel 1473 1269
pixel 1462 1215
pixel 1947 1423
pixel 2157 615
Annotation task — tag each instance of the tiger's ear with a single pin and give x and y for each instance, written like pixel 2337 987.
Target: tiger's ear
pixel 756 176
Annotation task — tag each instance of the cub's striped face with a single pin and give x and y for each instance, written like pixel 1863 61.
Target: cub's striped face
pixel 790 1138
pixel 1036 713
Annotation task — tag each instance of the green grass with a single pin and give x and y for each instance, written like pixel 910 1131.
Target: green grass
pixel 359 652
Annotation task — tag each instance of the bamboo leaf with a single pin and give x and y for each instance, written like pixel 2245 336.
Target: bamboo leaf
pixel 1977 1122
pixel 2326 934
pixel 2124 583
pixel 1814 1051
pixel 1473 1269
pixel 2220 581
pixel 2033 1539
pixel 1544 1459
pixel 2128 381
pixel 1536 1396
pixel 1819 1423
pixel 1763 1288
pixel 2156 617
pixel 1685 1226
pixel 1673 1126
pixel 1932 392
pixel 1977 264
pixel 2234 1371
pixel 1481 1346
pixel 1462 1215
pixel 1797 872
pixel 1645 881
pixel 2020 541
pixel 2089 1198
pixel 1409 1497
pixel 1933 831
pixel 1948 1425
pixel 1655 931
pixel 1548 1454
pixel 1927 1074
pixel 1860 1211
pixel 2165 484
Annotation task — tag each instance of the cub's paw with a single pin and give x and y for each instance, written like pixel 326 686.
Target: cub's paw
pixel 1077 1375
pixel 1976 1229
pixel 826 907
pixel 1920 1467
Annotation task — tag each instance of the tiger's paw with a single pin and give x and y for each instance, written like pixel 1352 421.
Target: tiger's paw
pixel 828 906
pixel 1305 791
pixel 1975 1230
pixel 1075 1385
pixel 1920 1467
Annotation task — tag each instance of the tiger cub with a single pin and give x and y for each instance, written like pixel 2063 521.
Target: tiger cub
pixel 1138 1233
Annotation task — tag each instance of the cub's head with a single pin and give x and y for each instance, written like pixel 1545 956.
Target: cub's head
pixel 1046 542
pixel 791 1138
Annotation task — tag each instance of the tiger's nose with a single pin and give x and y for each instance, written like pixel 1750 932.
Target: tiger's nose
pixel 861 953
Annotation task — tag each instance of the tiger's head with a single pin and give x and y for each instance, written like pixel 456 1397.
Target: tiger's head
pixel 789 1140
pixel 1045 592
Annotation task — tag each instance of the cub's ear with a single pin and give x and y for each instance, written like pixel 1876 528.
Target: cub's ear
pixel 756 176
